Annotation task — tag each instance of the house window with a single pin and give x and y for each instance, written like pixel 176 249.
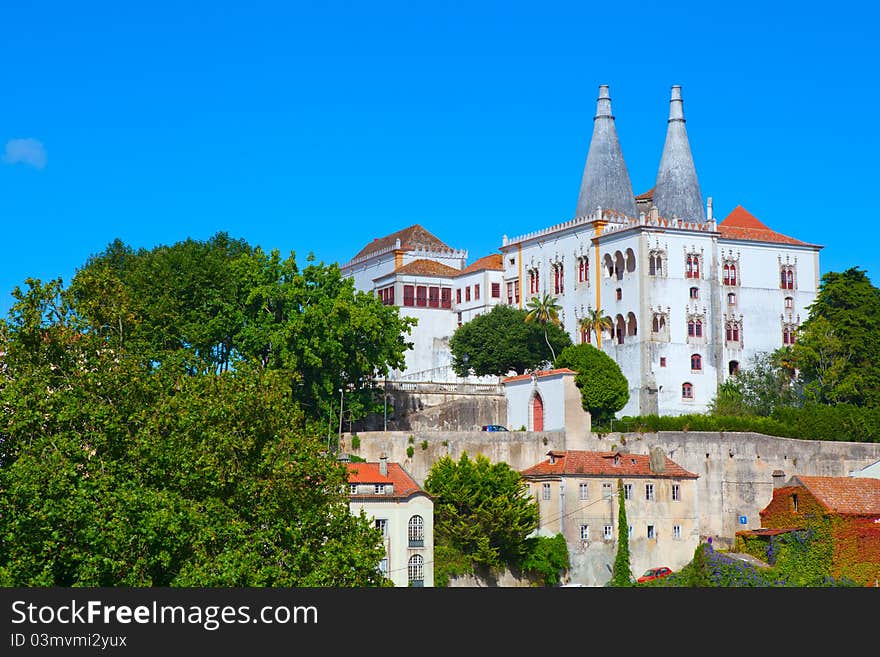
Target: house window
pixel 729 273
pixel 786 277
pixel 383 566
pixel 585 336
pixel 512 293
pixel 546 489
pixel 676 532
pixel 379 489
pixel 794 503
pixel 416 531
pixel 676 492
pixel 476 291
pixel 687 391
pixel 434 297
pixel 558 278
pixel 733 331
pixel 649 492
pixel 606 490
pixel 585 532
pixel 733 367
pixel 789 303
pixel 655 262
pixel 496 290
pixel 584 491
pixel 467 293
pixel 459 318
pixel 415 570
pixel 421 295
pixel 446 298
pixel 651 533
pixel 458 295
pixel 662 361
pixel 619 294
pixel 408 297
pixel 583 264
pixel 696 363
pixel 695 293
pixel 608 532
pixel 534 281
pixel 731 299
pixel 627 491
pixel 695 328
pixel 352 489
pixel 692 266
pixel 788 335
pixel 382 525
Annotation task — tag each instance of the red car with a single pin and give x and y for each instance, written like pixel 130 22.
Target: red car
pixel 655 573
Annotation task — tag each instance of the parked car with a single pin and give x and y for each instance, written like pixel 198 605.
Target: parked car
pixel 494 427
pixel 655 573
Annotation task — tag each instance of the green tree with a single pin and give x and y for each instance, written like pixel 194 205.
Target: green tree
pixel 621 574
pixel 766 384
pixel 481 510
pixel 113 473
pixel 839 361
pixel 501 341
pixel 604 388
pixel 595 322
pixel 544 310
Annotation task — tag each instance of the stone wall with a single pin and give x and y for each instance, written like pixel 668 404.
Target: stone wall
pixel 736 469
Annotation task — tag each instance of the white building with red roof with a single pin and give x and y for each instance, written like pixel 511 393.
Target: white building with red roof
pixel 577 496
pixel 398 507
pixel 691 299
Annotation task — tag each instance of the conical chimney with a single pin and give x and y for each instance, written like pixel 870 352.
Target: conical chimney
pixel 606 182
pixel 677 191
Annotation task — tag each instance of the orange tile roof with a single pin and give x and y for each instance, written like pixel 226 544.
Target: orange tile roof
pixel 486 262
pixel 426 267
pixel 520 377
pixel 742 225
pixel 368 473
pixel 577 462
pixel 646 196
pixel 410 238
pixel 856 496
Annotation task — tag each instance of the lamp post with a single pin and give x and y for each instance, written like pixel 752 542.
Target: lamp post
pixel 339 440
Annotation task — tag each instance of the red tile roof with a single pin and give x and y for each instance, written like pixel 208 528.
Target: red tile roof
pixel 410 238
pixel 856 496
pixel 577 462
pixel 486 262
pixel 368 473
pixel 521 377
pixel 742 225
pixel 646 196
pixel 426 267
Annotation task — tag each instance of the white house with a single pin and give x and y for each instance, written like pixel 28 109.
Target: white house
pixel 404 513
pixel 546 400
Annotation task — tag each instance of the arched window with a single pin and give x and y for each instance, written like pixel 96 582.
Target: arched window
pixel 619 265
pixel 416 570
pixel 695 328
pixel 733 274
pixel 609 266
pixel 630 261
pixel 631 327
pixel 789 303
pixel 731 299
pixel 692 266
pixel 694 293
pixel 620 329
pixel 696 363
pixel 416 531
pixel 687 391
pixel 726 270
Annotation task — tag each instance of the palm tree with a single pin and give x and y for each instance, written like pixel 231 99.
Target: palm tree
pixel 596 322
pixel 544 310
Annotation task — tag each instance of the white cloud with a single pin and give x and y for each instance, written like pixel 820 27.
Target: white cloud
pixel 27 151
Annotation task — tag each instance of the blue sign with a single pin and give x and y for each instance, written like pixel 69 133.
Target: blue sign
pixel 742 520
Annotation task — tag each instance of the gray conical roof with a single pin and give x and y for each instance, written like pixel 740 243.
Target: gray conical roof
pixel 606 181
pixel 677 191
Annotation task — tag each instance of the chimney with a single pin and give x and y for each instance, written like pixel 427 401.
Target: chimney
pixel 778 479
pixel 383 465
pixel 657 460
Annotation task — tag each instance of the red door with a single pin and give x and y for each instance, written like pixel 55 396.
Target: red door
pixel 537 413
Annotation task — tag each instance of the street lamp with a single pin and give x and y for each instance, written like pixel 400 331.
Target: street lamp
pixel 339 441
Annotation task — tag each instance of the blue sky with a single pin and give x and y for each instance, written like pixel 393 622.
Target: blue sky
pixel 317 126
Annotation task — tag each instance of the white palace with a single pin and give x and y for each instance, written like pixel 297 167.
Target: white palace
pixel 691 299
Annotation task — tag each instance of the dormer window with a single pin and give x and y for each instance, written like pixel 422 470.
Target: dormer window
pixel 379 489
pixel 617 459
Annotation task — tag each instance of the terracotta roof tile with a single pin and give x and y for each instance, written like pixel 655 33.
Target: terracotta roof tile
pixel 858 496
pixel 486 262
pixel 742 225
pixel 426 267
pixel 410 238
pixel 520 377
pixel 368 473
pixel 646 196
pixel 577 462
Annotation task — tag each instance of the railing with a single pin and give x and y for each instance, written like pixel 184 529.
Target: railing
pixel 438 387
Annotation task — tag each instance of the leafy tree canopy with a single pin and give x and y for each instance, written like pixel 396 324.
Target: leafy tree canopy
pixel 502 340
pixel 113 472
pixel 481 509
pixel 604 388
